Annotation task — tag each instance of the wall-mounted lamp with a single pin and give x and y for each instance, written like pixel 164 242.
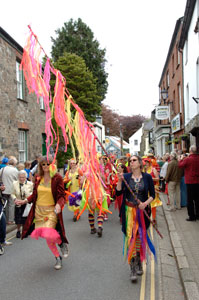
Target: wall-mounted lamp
pixel 195 99
pixel 164 94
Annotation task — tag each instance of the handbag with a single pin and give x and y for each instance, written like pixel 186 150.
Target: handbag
pixel 27 209
pixel 162 185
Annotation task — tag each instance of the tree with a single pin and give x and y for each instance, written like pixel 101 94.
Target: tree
pixel 129 124
pixel 80 83
pixel 76 37
pixel 110 120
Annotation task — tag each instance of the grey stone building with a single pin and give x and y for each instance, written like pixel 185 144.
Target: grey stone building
pixel 22 119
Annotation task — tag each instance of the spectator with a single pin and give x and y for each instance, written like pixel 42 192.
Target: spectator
pixel 34 167
pixel 167 155
pixel 160 162
pixel 35 162
pixel 4 162
pixel 190 165
pixel 8 175
pixel 163 173
pixel 173 178
pixel 22 189
pixel 20 166
pixel 27 168
pixel 3 241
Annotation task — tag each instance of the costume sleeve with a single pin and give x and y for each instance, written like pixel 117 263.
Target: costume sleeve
pixel 118 193
pixel 151 186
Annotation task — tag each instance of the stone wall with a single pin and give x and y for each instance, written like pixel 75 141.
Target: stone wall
pixel 17 114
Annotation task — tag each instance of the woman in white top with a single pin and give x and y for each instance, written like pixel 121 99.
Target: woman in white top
pixel 22 189
pixel 163 171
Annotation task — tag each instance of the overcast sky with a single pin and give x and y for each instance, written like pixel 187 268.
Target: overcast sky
pixel 136 35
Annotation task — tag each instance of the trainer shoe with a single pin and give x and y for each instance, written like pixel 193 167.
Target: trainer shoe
pixel 1 249
pixel 64 250
pixel 7 243
pixel 58 264
pixel 93 230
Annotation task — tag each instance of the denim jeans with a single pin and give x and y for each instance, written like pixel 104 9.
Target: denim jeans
pixel 2 228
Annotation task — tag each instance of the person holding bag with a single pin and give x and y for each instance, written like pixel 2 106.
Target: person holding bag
pixel 22 189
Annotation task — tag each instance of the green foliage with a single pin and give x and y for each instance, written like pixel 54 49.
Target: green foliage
pixel 76 37
pixel 175 141
pixel 63 156
pixel 80 84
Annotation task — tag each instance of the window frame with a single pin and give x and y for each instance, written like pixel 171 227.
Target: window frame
pixel 22 145
pixel 41 103
pixel 20 81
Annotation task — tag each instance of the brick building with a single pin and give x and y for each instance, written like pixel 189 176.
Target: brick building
pixel 190 49
pixel 22 119
pixel 171 83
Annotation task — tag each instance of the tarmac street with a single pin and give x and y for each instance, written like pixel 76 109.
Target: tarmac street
pixel 95 268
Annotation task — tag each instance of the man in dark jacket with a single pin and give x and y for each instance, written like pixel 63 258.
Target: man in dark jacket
pixel 190 165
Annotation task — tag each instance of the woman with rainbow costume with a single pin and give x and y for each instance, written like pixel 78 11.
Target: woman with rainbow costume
pixel 134 221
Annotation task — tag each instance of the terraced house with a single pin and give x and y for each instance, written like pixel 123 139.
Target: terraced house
pixel 22 119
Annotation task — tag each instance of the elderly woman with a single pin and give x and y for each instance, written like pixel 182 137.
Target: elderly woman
pixel 21 190
pixel 134 222
pixel 45 218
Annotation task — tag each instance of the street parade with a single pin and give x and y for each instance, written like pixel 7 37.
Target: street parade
pixel 94 203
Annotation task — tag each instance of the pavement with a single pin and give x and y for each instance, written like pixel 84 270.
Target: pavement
pixel 178 253
pixel 184 240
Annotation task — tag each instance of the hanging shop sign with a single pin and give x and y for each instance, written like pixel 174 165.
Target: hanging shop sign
pixel 162 112
pixel 175 123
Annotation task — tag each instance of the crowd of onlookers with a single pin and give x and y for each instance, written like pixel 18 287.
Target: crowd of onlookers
pixel 15 182
pixel 180 181
pixel 177 175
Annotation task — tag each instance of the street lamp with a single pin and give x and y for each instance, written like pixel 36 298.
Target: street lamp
pixel 164 94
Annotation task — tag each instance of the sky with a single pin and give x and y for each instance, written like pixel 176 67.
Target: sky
pixel 135 34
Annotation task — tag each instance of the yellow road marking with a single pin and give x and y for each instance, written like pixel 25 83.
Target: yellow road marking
pixel 143 282
pixel 12 237
pixel 152 270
